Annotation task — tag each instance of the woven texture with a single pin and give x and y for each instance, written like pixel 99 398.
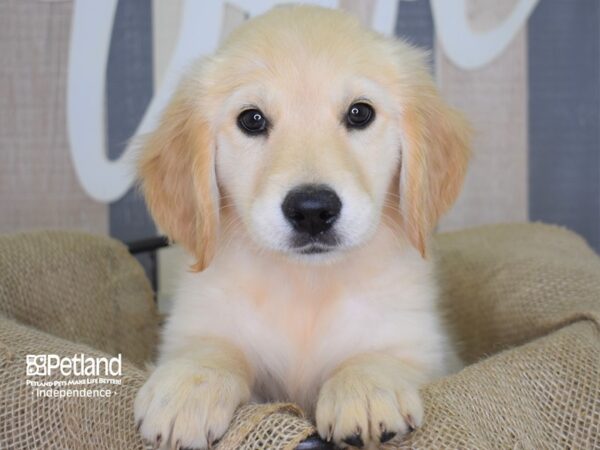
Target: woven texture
pixel 522 300
pixel 31 422
pixel 78 287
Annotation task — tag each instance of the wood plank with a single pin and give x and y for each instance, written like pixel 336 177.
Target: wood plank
pixel 38 184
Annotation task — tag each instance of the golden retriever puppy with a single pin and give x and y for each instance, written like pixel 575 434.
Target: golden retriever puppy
pixel 304 166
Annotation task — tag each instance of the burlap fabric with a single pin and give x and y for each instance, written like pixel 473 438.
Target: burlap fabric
pixel 523 300
pixel 78 287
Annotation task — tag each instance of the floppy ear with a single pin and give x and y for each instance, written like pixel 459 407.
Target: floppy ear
pixel 435 153
pixel 177 175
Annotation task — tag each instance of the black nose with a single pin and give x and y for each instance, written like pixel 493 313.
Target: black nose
pixel 311 208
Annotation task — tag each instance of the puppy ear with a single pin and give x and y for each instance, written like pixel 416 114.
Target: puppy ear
pixel 435 154
pixel 177 176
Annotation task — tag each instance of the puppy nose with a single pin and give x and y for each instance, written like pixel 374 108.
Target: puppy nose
pixel 311 208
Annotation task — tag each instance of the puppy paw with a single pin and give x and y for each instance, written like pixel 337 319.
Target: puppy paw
pixel 359 407
pixel 185 405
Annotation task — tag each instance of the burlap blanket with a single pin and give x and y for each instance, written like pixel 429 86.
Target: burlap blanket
pixel 523 300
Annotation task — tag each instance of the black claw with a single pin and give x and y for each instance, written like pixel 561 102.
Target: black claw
pixel 314 442
pixel 387 436
pixel 211 441
pixel 138 426
pixel 354 441
pixel 411 423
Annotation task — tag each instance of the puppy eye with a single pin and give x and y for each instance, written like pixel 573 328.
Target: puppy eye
pixel 359 115
pixel 252 122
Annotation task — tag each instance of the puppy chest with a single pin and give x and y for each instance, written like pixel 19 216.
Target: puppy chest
pixel 299 319
pixel 294 326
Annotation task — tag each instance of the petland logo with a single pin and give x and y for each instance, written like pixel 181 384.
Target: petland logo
pixel 78 365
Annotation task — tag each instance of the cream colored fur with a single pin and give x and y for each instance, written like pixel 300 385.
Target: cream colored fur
pixel 350 335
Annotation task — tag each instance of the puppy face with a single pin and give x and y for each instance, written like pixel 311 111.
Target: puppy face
pixel 294 133
pixel 306 156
